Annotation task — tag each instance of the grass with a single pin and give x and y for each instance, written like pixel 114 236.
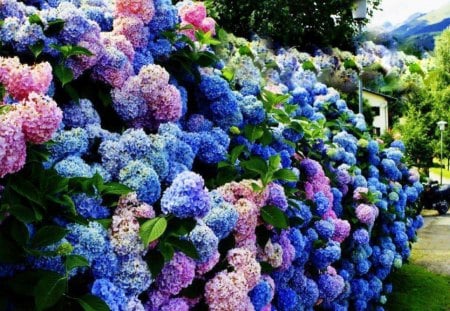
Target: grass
pixel 437 171
pixel 417 289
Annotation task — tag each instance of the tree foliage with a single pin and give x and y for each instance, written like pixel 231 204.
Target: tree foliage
pixel 306 23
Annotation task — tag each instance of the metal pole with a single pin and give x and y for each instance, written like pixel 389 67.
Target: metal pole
pixel 360 85
pixel 442 135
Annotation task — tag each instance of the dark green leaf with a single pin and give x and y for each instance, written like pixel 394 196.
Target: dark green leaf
pixel 285 174
pixel 23 213
pixel 9 251
pixel 65 201
pixel 266 267
pixel 235 153
pixel 54 27
pixel 75 261
pixel 222 35
pixel 256 165
pixel 19 232
pixel 166 250
pixel 267 137
pixel 152 229
pixel 274 216
pixel 49 290
pixel 64 74
pixel 309 65
pixel 185 246
pixel 106 223
pixel 92 303
pixel 180 227
pixel 71 50
pixel 37 48
pixel 23 283
pixel 206 59
pixel 26 189
pixel 48 235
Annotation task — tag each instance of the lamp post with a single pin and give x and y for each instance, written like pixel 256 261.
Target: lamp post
pixel 441 125
pixel 359 11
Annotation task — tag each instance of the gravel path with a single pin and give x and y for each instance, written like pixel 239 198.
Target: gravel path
pixel 432 250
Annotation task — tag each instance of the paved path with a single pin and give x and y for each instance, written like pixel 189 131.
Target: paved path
pixel 432 250
pixel 437 177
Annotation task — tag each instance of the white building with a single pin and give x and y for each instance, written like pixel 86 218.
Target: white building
pixel 380 107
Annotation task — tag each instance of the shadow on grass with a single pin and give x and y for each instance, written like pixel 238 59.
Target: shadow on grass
pixel 417 289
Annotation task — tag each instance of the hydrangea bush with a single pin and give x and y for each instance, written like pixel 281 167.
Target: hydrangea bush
pixel 173 167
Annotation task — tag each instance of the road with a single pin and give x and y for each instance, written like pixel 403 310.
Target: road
pixel 432 250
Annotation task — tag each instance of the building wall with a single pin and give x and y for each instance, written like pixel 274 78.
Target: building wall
pixel 381 120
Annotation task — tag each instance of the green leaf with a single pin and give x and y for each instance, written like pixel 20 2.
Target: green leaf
pixel 275 217
pixel 106 223
pixel 92 303
pixel 35 19
pixel 26 189
pixel 309 65
pixel 235 153
pixel 23 283
pixel 206 59
pixel 71 50
pixel 166 250
pixel 253 132
pixel 228 73
pixel 75 261
pixel 245 50
pixel 19 232
pixel 54 27
pixel 48 235
pixel 114 188
pixel 222 35
pixel 152 229
pixel 64 74
pixel 274 162
pixel 184 246
pixel 49 290
pixel 37 48
pixel 256 165
pixel 267 137
pixel 350 64
pixel 180 227
pixel 23 213
pixel 66 201
pixel 9 251
pixel 285 174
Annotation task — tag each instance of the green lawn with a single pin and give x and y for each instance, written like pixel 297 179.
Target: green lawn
pixel 437 171
pixel 417 289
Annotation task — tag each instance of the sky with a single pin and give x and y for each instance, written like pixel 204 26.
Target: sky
pixel 396 11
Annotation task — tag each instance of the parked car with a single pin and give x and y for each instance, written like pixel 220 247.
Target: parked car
pixel 436 197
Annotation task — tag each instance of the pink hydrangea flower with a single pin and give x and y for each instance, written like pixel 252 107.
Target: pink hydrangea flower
pixel 193 13
pixel 247 221
pixel 12 143
pixel 234 191
pixel 207 266
pixel 341 229
pixel 208 25
pixel 177 274
pixel 244 261
pixel 226 291
pixel 20 80
pixel 366 213
pixel 41 117
pixel 167 107
pixel 133 29
pixel 142 9
pixel 272 254
pixel 358 193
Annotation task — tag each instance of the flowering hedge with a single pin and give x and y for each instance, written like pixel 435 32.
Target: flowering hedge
pixel 171 168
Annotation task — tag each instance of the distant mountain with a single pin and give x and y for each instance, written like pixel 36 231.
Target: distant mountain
pixel 416 34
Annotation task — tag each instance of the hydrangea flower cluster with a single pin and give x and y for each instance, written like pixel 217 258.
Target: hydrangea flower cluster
pixel 27 114
pixel 350 221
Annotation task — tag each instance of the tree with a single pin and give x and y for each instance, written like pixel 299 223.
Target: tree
pixel 305 23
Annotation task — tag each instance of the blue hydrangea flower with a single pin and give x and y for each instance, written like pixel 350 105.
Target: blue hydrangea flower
pixel 142 178
pixel 80 114
pixel 133 275
pixel 71 142
pixel 205 242
pixel 324 228
pixel 90 207
pixel 323 257
pixel 213 146
pixel 261 295
pixel 186 197
pixel 222 219
pixel 286 299
pixel 73 166
pixel 252 109
pixel 113 295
